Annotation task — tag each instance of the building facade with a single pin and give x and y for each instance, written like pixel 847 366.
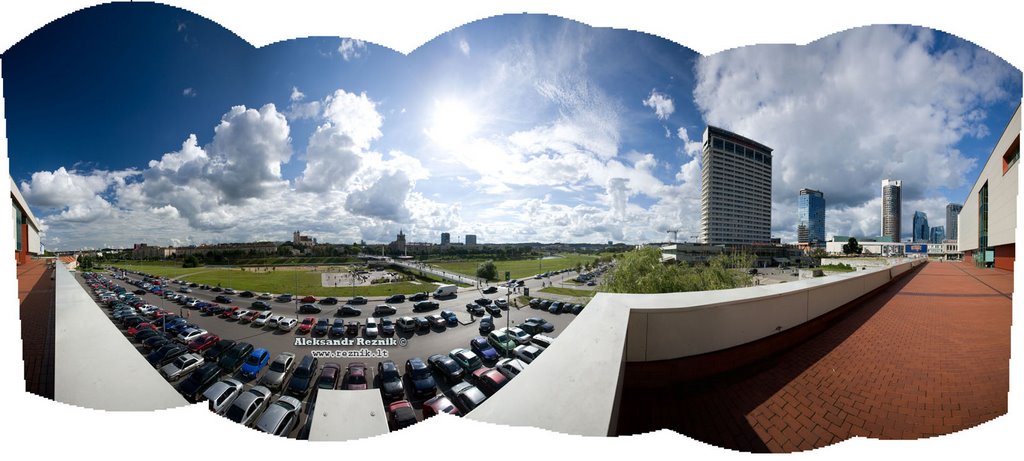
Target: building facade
pixel 300 240
pixel 810 228
pixel 952 214
pixel 989 215
pixel 470 239
pixel 938 234
pixel 892 206
pixel 446 238
pixel 921 231
pixel 736 189
pixel 26 227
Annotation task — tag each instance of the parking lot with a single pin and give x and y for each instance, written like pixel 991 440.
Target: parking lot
pixel 406 345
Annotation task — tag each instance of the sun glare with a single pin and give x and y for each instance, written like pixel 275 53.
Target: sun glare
pixel 453 123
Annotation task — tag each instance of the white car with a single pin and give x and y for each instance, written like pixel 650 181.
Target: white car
pixel 193 303
pixel 188 335
pixel 527 353
pixel 286 323
pixel 371 327
pixel 222 393
pixel 510 367
pixel 519 335
pixel 274 320
pixel 542 341
pixel 239 313
pixel 148 309
pixel 262 319
pixel 246 407
pixel 181 365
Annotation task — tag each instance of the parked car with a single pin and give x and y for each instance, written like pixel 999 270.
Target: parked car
pixel 475 310
pixel 536 325
pixel 450 318
pixel 278 371
pixel 352 329
pixel 446 367
pixel 391 387
pixel 308 299
pixel 329 301
pixel 247 294
pixel 493 310
pixel 247 406
pixel 483 301
pixel 180 366
pixel 338 328
pixel 527 353
pixel 424 306
pixel 501 303
pixel 423 384
pixel 542 341
pixel 222 393
pixel 186 336
pixel 233 358
pixel 165 354
pixel 437 405
pixel 309 309
pixel 357 300
pixel 255 363
pixel 467 397
pixel 307 325
pixel 287 323
pixel 322 327
pixel 203 342
pixel 510 367
pixel 421 323
pixel 383 310
pixel 198 381
pixel 489 380
pixel 222 299
pixel 395 299
pixel 521 337
pixel 370 329
pixel 355 377
pixel 418 297
pixel 436 321
pixel 156 342
pixel 348 311
pixel 248 317
pixel 486 324
pixel 214 353
pixel 401 415
pixel 387 327
pixel 281 417
pixel 483 349
pixel 466 359
pixel 239 313
pixel 302 378
pixel 502 341
pixel 262 319
pixel 329 376
pixel 265 297
pixel 228 312
pixel 406 324
pixel 490 290
pixel 285 298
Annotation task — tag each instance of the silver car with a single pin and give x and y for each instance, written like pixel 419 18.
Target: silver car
pixel 247 407
pixel 222 394
pixel 278 371
pixel 281 417
pixel 181 366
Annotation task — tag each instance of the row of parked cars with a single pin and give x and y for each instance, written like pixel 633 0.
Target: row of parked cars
pixel 556 307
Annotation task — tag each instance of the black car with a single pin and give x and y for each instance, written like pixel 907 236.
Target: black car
pixel 143 335
pixel 233 358
pixel 446 367
pixel 422 323
pixel 222 299
pixel 156 342
pixel 247 294
pixel 493 310
pixel 165 354
pixel 490 290
pixel 346 310
pixel 329 301
pixel 338 328
pixel 216 289
pixel 391 387
pixel 419 297
pixel 395 299
pixel 321 327
pixel 139 292
pixel 309 309
pixel 214 353
pixel 486 324
pixel 193 386
pixel 475 309
pixel 424 306
pixel 357 300
pixel 261 305
pixel 483 301
pixel 423 384
pixel 352 329
pixel 384 310
pixel 303 377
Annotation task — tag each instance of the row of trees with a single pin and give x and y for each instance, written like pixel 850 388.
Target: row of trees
pixel 641 271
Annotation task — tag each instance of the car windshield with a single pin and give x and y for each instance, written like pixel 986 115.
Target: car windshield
pixel 253 360
pixel 356 379
pixel 325 382
pixel 277 366
pixel 235 413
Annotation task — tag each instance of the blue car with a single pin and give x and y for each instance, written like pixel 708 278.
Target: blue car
pixel 255 363
pixel 450 318
pixel 483 349
pixel 422 380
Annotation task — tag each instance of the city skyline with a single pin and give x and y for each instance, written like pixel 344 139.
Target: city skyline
pixel 353 155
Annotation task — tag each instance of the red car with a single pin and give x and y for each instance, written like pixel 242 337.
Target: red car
pixel 355 379
pixel 307 324
pixel 489 380
pixel 140 327
pixel 203 342
pixel 308 300
pixel 248 317
pixel 438 405
pixel 401 415
pixel 227 312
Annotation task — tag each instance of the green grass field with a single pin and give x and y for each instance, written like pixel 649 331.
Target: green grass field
pixel 569 292
pixel 520 268
pixel 295 282
pixel 837 268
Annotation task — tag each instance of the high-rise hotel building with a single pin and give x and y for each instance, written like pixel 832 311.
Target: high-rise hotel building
pixel 810 227
pixel 892 200
pixel 736 189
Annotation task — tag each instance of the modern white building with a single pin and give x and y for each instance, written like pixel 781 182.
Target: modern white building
pixel 736 189
pixel 987 221
pixel 26 227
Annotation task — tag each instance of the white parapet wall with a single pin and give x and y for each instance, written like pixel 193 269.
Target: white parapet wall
pixel 580 374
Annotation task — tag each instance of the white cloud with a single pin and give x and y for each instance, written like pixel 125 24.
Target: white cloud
pixel 351 49
pixel 661 103
pixel 61 188
pixel 464 47
pixel 335 148
pixel 692 148
pixel 189 92
pixel 385 199
pixel 296 95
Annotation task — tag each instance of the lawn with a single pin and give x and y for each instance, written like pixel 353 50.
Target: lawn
pixel 569 292
pixel 295 282
pixel 519 268
pixel 837 268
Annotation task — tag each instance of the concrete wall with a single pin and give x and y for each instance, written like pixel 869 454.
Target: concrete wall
pixel 1002 196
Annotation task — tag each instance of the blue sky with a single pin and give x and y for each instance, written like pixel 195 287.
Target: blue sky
pixel 145 123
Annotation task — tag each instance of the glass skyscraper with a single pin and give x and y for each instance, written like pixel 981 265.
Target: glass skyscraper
pixel 922 233
pixel 810 227
pixel 952 213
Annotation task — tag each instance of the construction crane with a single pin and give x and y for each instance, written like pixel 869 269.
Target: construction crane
pixel 675 234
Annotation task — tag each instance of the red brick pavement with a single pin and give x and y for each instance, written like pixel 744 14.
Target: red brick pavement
pixel 928 355
pixel 36 292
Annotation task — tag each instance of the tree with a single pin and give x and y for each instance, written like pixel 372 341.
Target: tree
pixel 852 247
pixel 190 261
pixel 641 271
pixel 487 270
pixel 819 253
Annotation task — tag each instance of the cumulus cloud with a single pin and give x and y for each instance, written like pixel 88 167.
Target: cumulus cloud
pixel 464 47
pixel 61 188
pixel 189 92
pixel 335 148
pixel 662 104
pixel 385 199
pixel 296 95
pixel 351 49
pixel 692 148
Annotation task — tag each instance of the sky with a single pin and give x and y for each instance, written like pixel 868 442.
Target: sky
pixel 142 123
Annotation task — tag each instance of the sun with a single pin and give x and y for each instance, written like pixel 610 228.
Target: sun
pixel 452 123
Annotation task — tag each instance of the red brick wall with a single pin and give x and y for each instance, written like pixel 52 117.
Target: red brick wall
pixel 1005 256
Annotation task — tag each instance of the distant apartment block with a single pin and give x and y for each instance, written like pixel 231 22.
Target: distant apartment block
pixel 922 233
pixel 810 229
pixel 952 214
pixel 470 239
pixel 736 189
pixel 892 206
pixel 989 215
pixel 446 238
